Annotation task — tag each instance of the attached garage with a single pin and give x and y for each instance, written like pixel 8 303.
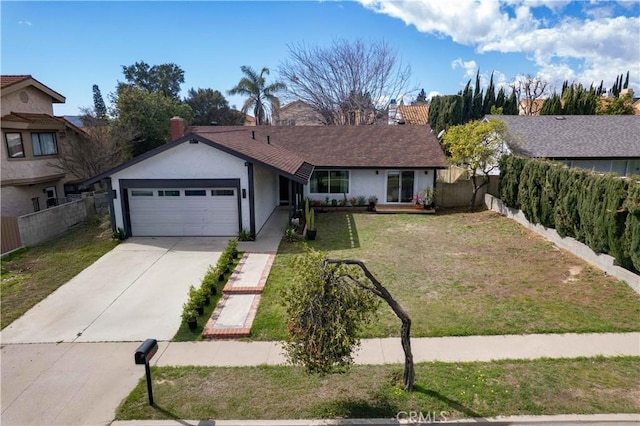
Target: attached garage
pixel 183 211
pixel 216 184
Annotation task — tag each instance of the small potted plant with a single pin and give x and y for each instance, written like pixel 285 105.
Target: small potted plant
pixel 311 225
pixel 189 315
pixel 428 195
pixel 197 299
pixel 417 201
pixel 233 247
pixel 373 200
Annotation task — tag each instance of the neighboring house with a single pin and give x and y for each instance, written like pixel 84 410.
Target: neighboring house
pixel 297 113
pixel 218 180
pixel 32 139
pixel 530 107
pixel 604 143
pixel 417 115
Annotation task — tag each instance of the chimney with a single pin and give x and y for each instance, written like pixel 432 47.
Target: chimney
pixel 393 111
pixel 177 128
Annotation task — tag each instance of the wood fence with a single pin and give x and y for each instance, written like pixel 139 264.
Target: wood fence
pixel 9 233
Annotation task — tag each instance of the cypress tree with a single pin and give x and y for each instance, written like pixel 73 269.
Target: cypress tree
pixel 632 224
pixel 99 107
pixel 489 97
pixel 626 82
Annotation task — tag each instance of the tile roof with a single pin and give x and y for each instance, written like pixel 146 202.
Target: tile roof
pixel 348 146
pixel 574 136
pixel 8 80
pixel 414 114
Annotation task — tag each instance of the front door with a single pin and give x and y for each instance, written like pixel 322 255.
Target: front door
pixel 52 196
pixel 400 186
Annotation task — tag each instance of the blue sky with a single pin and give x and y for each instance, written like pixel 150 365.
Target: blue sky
pixel 69 46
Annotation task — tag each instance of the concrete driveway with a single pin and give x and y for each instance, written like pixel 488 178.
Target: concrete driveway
pixel 132 293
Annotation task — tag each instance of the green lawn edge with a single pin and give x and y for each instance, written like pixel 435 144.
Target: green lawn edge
pixel 461 390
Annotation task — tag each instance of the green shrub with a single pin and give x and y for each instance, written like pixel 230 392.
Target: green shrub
pixel 632 224
pixel 600 210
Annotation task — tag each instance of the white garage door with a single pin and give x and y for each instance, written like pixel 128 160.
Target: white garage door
pixel 184 211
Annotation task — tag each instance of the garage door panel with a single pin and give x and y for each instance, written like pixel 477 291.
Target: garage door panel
pixel 182 215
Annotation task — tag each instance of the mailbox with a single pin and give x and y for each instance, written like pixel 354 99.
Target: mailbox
pixel 146 351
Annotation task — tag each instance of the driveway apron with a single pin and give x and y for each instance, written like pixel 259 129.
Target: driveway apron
pixel 132 293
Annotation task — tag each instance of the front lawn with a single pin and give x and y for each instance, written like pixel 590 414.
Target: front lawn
pixel 30 275
pixel 461 274
pixel 451 390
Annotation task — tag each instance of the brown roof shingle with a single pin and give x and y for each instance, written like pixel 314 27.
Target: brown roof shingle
pixel 340 146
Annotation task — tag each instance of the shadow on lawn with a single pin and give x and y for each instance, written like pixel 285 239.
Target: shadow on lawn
pixel 336 231
pixel 455 405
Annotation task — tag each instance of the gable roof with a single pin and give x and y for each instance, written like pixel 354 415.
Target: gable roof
pixel 349 146
pixel 574 136
pixel 236 142
pixel 12 83
pixel 40 118
pixel 294 151
pixel 414 114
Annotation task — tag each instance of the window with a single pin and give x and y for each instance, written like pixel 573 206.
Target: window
pixel 169 193
pixel 330 182
pixel 195 193
pixel 14 145
pixel 138 193
pixel 44 144
pixel 222 192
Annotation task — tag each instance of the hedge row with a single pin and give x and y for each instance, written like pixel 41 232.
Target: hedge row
pixel 600 210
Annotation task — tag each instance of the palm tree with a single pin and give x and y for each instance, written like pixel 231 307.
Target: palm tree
pixel 260 97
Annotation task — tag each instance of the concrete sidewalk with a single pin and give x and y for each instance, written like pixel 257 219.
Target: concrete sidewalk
pixel 389 350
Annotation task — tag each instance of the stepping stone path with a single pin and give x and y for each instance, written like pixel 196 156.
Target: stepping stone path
pixel 236 310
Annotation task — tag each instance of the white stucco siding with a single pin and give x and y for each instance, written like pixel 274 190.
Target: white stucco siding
pixel 186 161
pixel 365 182
pixel 266 194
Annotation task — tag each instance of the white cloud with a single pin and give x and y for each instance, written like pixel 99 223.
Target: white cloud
pixel 583 48
pixel 27 23
pixel 432 94
pixel 470 67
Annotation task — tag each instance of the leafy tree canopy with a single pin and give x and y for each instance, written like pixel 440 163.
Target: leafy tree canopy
pixel 163 78
pixel 147 114
pixel 477 147
pixel 210 106
pixel 324 314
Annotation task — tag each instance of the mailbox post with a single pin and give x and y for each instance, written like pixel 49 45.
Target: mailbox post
pixel 143 355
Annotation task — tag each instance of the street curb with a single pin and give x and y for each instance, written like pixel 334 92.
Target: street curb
pixel 560 420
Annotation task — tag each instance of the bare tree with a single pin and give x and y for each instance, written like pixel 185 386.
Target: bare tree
pixel 531 92
pixel 95 148
pixel 347 82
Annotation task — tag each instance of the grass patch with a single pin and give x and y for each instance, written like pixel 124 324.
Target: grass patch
pixel 461 390
pixel 184 333
pixel 461 274
pixel 31 274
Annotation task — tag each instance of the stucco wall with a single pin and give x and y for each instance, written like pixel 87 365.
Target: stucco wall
pixel 266 195
pixel 366 182
pixel 46 224
pixel 186 161
pixel 16 200
pixel 38 102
